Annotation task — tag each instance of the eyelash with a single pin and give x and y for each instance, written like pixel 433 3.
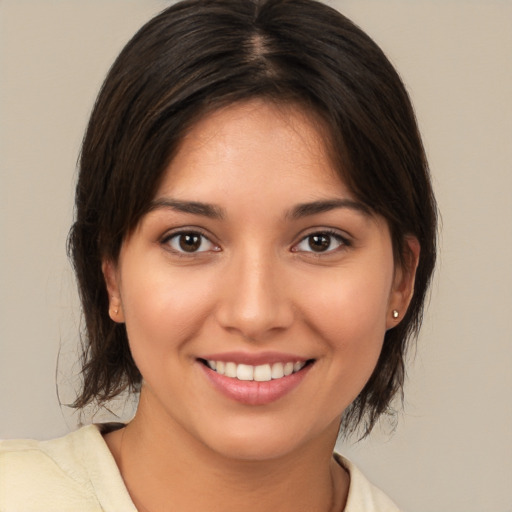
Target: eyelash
pixel 343 242
pixel 193 233
pixel 329 233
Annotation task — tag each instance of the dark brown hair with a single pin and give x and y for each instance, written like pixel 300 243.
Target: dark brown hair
pixel 199 55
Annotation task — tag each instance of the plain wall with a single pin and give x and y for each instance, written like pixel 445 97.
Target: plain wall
pixel 452 448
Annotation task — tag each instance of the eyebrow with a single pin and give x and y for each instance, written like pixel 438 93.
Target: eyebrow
pixel 297 212
pixel 316 207
pixel 207 210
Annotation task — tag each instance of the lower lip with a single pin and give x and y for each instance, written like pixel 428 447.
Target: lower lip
pixel 252 392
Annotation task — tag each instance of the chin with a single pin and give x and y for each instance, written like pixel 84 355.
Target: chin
pixel 255 449
pixel 264 439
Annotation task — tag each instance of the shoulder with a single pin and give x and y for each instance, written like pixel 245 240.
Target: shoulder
pixel 68 473
pixel 363 495
pixel 43 475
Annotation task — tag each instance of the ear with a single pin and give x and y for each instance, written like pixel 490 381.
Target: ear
pixel 115 306
pixel 403 283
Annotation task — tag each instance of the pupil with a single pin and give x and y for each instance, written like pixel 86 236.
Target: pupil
pixel 319 243
pixel 190 243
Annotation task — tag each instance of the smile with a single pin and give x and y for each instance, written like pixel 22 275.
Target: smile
pixel 255 384
pixel 259 373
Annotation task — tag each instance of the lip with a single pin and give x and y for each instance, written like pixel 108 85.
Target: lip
pixel 253 392
pixel 254 359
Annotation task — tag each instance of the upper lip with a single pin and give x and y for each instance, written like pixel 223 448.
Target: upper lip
pixel 255 359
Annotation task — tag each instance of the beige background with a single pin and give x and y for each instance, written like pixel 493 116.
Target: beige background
pixel 452 450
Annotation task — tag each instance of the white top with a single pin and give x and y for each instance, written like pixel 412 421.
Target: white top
pixel 78 473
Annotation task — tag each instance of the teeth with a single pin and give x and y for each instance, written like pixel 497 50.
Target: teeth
pixel 277 370
pixel 230 370
pixel 260 373
pixel 244 372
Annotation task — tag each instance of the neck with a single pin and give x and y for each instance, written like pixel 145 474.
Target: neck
pixel 166 468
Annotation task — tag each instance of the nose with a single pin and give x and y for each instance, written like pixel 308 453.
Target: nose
pixel 255 303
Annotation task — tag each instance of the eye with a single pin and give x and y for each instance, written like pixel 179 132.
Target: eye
pixel 190 242
pixel 321 242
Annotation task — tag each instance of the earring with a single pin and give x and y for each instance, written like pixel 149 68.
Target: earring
pixel 117 309
pixel 395 313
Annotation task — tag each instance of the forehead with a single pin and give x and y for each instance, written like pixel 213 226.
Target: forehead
pixel 255 146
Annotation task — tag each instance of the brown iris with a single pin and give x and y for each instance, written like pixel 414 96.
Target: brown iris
pixel 319 243
pixel 190 242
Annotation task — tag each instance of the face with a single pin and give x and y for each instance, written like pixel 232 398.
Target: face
pixel 257 291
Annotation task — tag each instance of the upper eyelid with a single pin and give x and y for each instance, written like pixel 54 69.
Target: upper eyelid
pixel 345 241
pixel 170 233
pixel 336 232
pixel 167 241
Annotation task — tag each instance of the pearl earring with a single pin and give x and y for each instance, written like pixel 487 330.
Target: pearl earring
pixel 117 309
pixel 395 313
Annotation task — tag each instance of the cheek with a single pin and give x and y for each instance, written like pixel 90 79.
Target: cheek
pixel 350 307
pixel 163 309
pixel 348 314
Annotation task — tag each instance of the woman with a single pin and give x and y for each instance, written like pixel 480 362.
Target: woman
pixel 254 239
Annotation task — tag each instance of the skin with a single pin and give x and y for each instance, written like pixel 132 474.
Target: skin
pixel 255 285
